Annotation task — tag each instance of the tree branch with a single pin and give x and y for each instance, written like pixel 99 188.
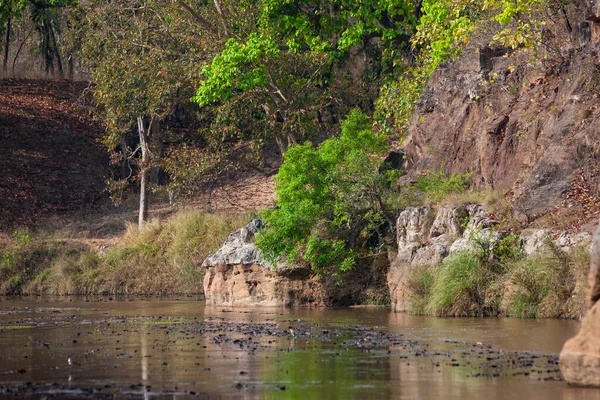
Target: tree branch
pixel 201 20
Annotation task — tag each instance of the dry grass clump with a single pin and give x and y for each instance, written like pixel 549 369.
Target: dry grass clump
pixel 161 258
pixel 551 283
pixel 164 256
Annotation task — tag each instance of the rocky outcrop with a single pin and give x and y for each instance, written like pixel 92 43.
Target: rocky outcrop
pixel 580 356
pixel 239 248
pixel 535 240
pixel 524 130
pixel 238 275
pixel 427 235
pixel 256 285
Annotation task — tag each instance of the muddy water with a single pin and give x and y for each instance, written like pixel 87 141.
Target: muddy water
pixel 181 348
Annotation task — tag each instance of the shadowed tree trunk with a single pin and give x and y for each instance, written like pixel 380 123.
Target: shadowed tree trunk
pixel 56 51
pixel 6 46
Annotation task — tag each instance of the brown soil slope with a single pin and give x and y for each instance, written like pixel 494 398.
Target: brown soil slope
pixel 50 159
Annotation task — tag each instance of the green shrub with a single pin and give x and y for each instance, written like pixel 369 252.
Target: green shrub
pixel 333 203
pixel 437 186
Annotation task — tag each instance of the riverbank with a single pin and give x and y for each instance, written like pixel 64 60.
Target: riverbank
pixel 164 258
pixel 160 259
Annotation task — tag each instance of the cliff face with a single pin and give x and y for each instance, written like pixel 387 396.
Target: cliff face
pixel 529 129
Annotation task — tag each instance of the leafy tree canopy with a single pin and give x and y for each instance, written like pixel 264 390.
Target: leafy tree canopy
pixel 332 200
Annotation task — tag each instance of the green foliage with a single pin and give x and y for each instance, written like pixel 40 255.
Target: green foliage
pixel 437 185
pixel 336 26
pixel 287 77
pixel 143 56
pixel 521 27
pixel 238 67
pixel 11 9
pixel 12 256
pixel 331 200
pixel 442 30
pixel 397 99
pixel 508 248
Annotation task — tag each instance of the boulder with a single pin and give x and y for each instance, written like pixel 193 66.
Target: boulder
pixel 238 275
pixel 566 241
pixel 426 236
pixel 239 248
pixel 534 240
pixel 254 285
pixel 580 356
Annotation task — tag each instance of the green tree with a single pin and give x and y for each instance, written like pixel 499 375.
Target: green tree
pixel 333 202
pixel 295 66
pixel 9 10
pixel 143 57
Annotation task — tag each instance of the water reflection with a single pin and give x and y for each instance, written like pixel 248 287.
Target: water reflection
pixel 146 347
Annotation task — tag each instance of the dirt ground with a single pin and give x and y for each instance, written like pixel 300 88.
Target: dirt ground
pixel 54 168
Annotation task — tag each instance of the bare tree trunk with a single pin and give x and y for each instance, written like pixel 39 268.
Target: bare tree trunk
pixel 143 212
pixel 221 11
pixel 46 47
pixel 56 52
pixel 19 50
pixel 6 47
pixel 71 67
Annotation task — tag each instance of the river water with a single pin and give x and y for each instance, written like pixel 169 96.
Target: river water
pixel 159 348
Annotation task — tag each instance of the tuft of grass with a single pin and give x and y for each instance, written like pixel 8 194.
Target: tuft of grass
pixel 551 283
pixel 420 283
pixel 464 285
pixel 437 186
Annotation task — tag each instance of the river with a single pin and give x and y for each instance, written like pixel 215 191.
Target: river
pixel 178 347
